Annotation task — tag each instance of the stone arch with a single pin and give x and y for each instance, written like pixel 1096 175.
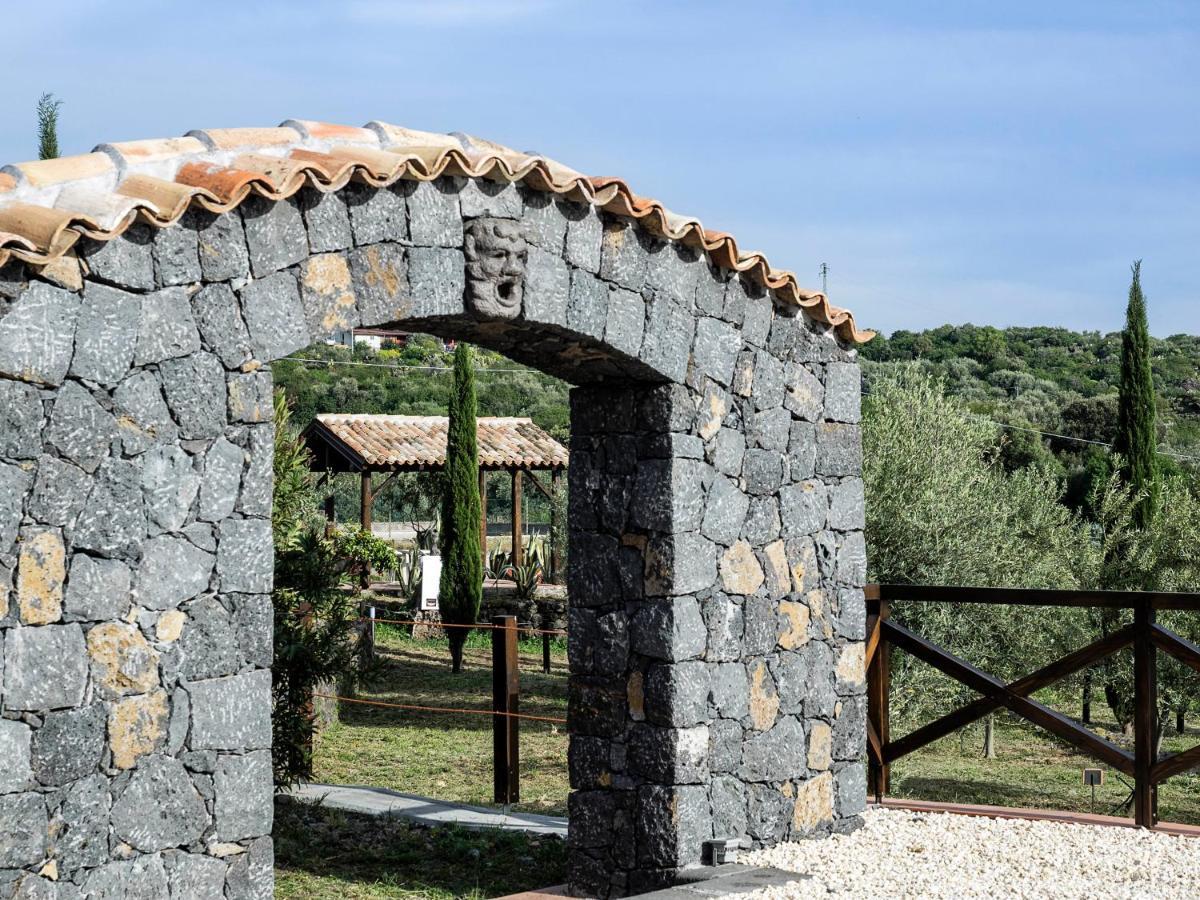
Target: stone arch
pixel 716 514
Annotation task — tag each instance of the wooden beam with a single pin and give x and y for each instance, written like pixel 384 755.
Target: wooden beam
pixel 555 562
pixel 1169 642
pixel 1038 597
pixel 367 498
pixel 383 485
pixel 483 518
pixel 879 686
pixel 518 551
pixel 533 479
pixel 1145 716
pixel 1176 764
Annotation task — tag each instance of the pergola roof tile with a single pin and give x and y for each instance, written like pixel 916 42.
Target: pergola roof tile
pixel 45 207
pixel 390 443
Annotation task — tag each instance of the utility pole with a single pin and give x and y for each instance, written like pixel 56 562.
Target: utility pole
pixel 824 273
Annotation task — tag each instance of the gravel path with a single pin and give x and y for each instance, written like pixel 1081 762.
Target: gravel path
pixel 900 854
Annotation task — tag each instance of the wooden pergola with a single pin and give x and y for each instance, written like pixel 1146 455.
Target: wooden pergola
pixel 380 444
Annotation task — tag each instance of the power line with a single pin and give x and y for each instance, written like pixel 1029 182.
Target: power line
pixel 346 362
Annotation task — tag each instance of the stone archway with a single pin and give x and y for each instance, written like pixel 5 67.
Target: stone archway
pixel 716 508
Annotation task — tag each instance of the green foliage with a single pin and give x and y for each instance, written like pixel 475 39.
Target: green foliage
pixel 1135 438
pixel 461 590
pixel 526 577
pixel 47 116
pixel 364 547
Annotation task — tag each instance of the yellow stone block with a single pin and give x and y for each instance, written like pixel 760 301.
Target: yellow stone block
pixel 136 727
pixel 41 571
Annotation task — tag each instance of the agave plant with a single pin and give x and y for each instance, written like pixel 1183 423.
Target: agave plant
pixel 526 577
pixel 408 573
pixel 498 562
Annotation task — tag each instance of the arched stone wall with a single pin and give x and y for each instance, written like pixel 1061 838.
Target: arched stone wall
pixel 716 514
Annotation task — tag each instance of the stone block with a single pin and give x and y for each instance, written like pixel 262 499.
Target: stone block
pixel 195 391
pixel 251 398
pixel 232 713
pixel 275 234
pixel 274 316
pixel 804 508
pixel 852 559
pixel 587 305
pixel 802 451
pixel 160 807
pixel 126 261
pixel 172 570
pixel 672 630
pixel 775 755
pixel 434 215
pixel 123 662
pixel 851 790
pixel 327 221
pixel 222 478
pixel 46 667
pixel 376 214
pixel 222 246
pixel 728 799
pixel 819 697
pixel 219 319
pixel 672 824
pixel 137 727
pixel 23 822
pixel 584 235
pixel 37 335
pixel 852 614
pixel 676 694
pixel 41 573
pixel 15 484
pixel 795 617
pixel 176 252
pixel 547 287
pixel 804 394
pixel 762 471
pixel 820 745
pixel 667 341
pixel 83 841
pixel 843 392
pixel 545 219
pixel 727 450
pixel 716 349
pixel 668 494
pixel 768 812
pixel 327 293
pixel 760 625
pixel 141 878
pixel 589 762
pixel 143 418
pixel 626 318
pixel 730 691
pixel 16 772
pixel 839 450
pixel 194 876
pixel 740 570
pixel 599 643
pixel 80 428
pixel 724 511
pixel 107 334
pixel 673 269
pixel 756 320
pixel 166 329
pixel 768 381
pixel 668 755
pixel 169 484
pixel 847 508
pixel 59 493
pixel 379 276
pixel 21 420
pixel 762 523
pixel 769 429
pixel 713 409
pixel 814 804
pixel 246 556
pixel 790 671
pixel 112 520
pixel 244 789
pixel 724 622
pixel 623 256
pixel 255 498
pixel 68 745
pixel 208 645
pixel 724 745
pixel 479 197
pixel 252 874
pixel 684 563
pixel 437 280
pixel 600 706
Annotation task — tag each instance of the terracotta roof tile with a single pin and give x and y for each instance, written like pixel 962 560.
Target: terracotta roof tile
pixel 400 442
pixel 45 206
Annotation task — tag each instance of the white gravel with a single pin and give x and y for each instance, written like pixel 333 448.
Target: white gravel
pixel 899 854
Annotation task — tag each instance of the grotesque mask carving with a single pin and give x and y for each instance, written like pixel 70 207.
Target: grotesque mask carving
pixel 495 252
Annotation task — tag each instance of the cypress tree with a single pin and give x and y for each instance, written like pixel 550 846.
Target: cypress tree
pixel 1135 439
pixel 461 589
pixel 47 113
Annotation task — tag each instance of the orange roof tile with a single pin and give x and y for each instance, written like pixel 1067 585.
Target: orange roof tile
pixel 46 206
pixel 381 442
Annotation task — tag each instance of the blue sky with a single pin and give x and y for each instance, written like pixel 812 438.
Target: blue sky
pixel 997 163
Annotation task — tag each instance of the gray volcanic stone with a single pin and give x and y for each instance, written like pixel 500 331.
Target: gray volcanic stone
pixel 489 198
pixel 15 483
pixel 83 842
pixel 222 477
pixel 769 429
pixel 585 231
pixel 804 508
pixel 728 798
pixel 762 523
pixel 847 511
pixel 246 556
pixel 68 745
pixel 126 261
pixel 600 642
pixel 626 320
pixel 45 667
pixel 802 451
pixel 622 254
pixel 141 878
pixel 255 499
pixel 850 789
pixel 669 495
pixel 80 428
pixel 819 698
pixel 849 731
pixel 547 287
pixel 669 755
pixel 327 220
pixel 852 559
pixel 376 215
pixel 672 630
pixel 194 876
pixel 437 280
pixel 790 672
pixel 172 570
pixel 326 290
pixel 58 494
pixel 250 397
pixel 760 625
pixel 23 822
pixel 763 471
pixel 725 511
pixel 731 691
pixel 839 449
pixel 274 315
pixel 379 275
pixel 222 246
pixel 680 564
pixel 166 329
pixel 727 451
pixel 587 306
pixel 107 334
pixel 232 713
pixel 843 392
pixel 672 824
pixel 768 381
pixel 677 693
pixel 21 419
pixel 37 335
pixel 241 784
pixel 219 318
pixel 775 755
pixel 160 807
pixel 254 617
pixel 275 234
pixel 667 342
pixel 724 745
pixel 170 483
pixel 545 225
pixel 14 750
pixel 195 389
pixel 725 623
pixel 756 321
pixel 852 614
pixel 805 393
pixel 768 813
pixel 208 646
pixel 434 217
pixel 112 520
pixel 252 874
pixel 176 255
pixel 716 350
pixel 143 417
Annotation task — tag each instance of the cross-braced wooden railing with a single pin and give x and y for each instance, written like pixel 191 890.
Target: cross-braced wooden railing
pixel 1145 635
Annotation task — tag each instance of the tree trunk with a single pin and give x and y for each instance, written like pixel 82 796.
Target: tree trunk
pixel 989 737
pixel 1180 723
pixel 1087 697
pixel 458 639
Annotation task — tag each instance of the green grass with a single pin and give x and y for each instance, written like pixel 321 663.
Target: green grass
pixel 325 854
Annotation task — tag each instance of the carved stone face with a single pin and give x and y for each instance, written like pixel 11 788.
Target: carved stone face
pixel 495 252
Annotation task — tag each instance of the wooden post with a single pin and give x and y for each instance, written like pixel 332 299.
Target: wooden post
pixel 545 648
pixel 483 518
pixel 330 515
pixel 554 560
pixel 1145 711
pixel 518 552
pixel 368 501
pixel 506 690
pixel 879 677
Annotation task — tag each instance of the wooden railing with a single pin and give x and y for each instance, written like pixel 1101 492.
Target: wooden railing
pixel 1145 635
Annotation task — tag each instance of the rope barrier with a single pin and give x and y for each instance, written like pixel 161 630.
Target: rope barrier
pixel 480 625
pixel 444 709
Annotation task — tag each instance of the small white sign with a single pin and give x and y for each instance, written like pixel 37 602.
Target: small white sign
pixel 431 578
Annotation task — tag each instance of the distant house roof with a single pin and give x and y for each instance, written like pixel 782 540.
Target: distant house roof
pixel 356 443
